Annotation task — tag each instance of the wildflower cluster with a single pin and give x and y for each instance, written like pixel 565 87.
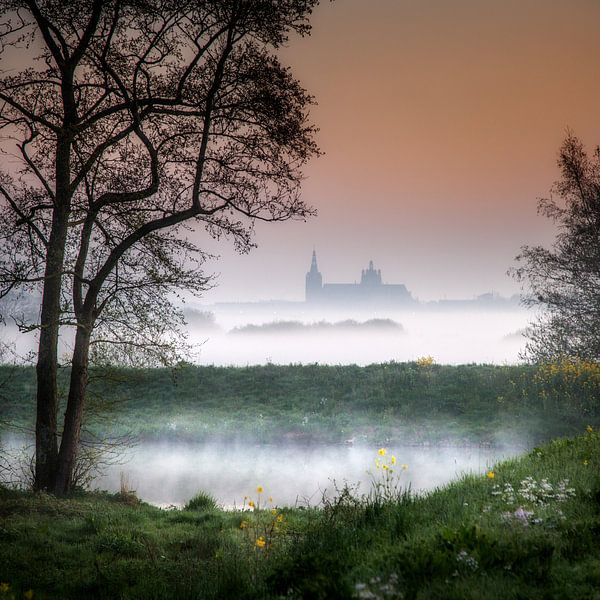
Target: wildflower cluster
pixel 261 525
pixel 466 562
pixel 541 492
pixel 535 495
pixel 520 515
pixel 570 370
pixel 425 361
pixel 386 482
pixel 572 380
pixel 377 589
pixel 534 492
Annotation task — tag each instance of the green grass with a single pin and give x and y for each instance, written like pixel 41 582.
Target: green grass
pixel 202 501
pixel 463 541
pixel 391 402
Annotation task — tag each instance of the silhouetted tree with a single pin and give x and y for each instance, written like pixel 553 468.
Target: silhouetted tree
pixel 564 281
pixel 126 123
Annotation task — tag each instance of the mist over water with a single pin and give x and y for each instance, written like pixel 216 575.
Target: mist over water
pixel 169 473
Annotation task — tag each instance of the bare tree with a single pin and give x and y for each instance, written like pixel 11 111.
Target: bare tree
pixel 564 281
pixel 128 123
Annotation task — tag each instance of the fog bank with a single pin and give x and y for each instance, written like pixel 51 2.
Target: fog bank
pixel 170 473
pixel 247 334
pixel 280 333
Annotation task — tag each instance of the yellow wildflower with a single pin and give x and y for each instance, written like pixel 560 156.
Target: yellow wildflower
pixel 4 587
pixel 589 429
pixel 382 451
pixel 251 504
pixel 279 518
pixel 273 511
pixel 259 489
pixel 260 542
pixel 425 361
pixel 244 525
pixel 586 462
pixel 404 467
pixel 271 499
pixel 491 475
pixel 393 459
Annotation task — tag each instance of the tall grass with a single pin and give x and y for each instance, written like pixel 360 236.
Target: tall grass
pixel 397 402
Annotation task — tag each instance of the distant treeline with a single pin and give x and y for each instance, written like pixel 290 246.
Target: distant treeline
pixel 392 402
pixel 202 319
pixel 298 326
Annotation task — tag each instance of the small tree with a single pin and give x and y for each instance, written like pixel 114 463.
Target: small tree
pixel 130 122
pixel 564 281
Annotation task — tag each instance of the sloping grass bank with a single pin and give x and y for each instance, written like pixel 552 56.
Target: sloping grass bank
pixel 529 529
pixel 382 403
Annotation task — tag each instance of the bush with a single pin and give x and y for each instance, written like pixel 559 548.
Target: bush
pixel 202 501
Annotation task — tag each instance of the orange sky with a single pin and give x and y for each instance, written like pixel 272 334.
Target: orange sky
pixel 441 121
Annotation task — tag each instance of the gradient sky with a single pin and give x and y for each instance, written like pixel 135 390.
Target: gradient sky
pixel 441 121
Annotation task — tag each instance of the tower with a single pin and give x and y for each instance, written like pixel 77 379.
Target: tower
pixel 314 281
pixel 371 276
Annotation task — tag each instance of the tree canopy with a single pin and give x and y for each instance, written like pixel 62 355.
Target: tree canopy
pixel 564 280
pixel 126 123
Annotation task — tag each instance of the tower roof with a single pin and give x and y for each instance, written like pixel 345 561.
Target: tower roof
pixel 313 263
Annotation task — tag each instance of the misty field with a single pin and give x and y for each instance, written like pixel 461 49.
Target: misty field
pixel 528 526
pixel 390 403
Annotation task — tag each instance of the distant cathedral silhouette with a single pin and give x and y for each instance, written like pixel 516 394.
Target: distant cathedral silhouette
pixel 370 290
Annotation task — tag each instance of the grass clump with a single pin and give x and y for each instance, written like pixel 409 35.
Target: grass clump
pixel 202 501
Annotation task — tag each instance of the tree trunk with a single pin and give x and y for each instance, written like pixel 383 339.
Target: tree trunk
pixel 74 413
pixel 46 445
pixel 46 442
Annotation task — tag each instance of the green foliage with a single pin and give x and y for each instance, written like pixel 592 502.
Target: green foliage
pixel 464 541
pixel 397 402
pixel 202 501
pixel 563 280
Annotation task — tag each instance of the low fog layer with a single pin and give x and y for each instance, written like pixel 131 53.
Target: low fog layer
pixel 256 334
pixel 347 326
pixel 247 334
pixel 170 473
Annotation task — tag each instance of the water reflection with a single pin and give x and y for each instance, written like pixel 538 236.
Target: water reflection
pixel 171 473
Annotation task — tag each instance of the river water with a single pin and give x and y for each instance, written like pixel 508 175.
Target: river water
pixel 169 473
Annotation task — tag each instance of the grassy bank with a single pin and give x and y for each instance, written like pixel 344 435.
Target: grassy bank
pixel 382 403
pixel 530 529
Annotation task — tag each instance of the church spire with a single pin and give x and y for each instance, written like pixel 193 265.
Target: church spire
pixel 313 263
pixel 314 280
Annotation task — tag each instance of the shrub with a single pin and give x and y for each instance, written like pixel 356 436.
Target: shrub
pixel 202 501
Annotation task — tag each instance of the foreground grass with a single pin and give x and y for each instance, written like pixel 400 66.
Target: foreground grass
pixel 472 539
pixel 381 403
